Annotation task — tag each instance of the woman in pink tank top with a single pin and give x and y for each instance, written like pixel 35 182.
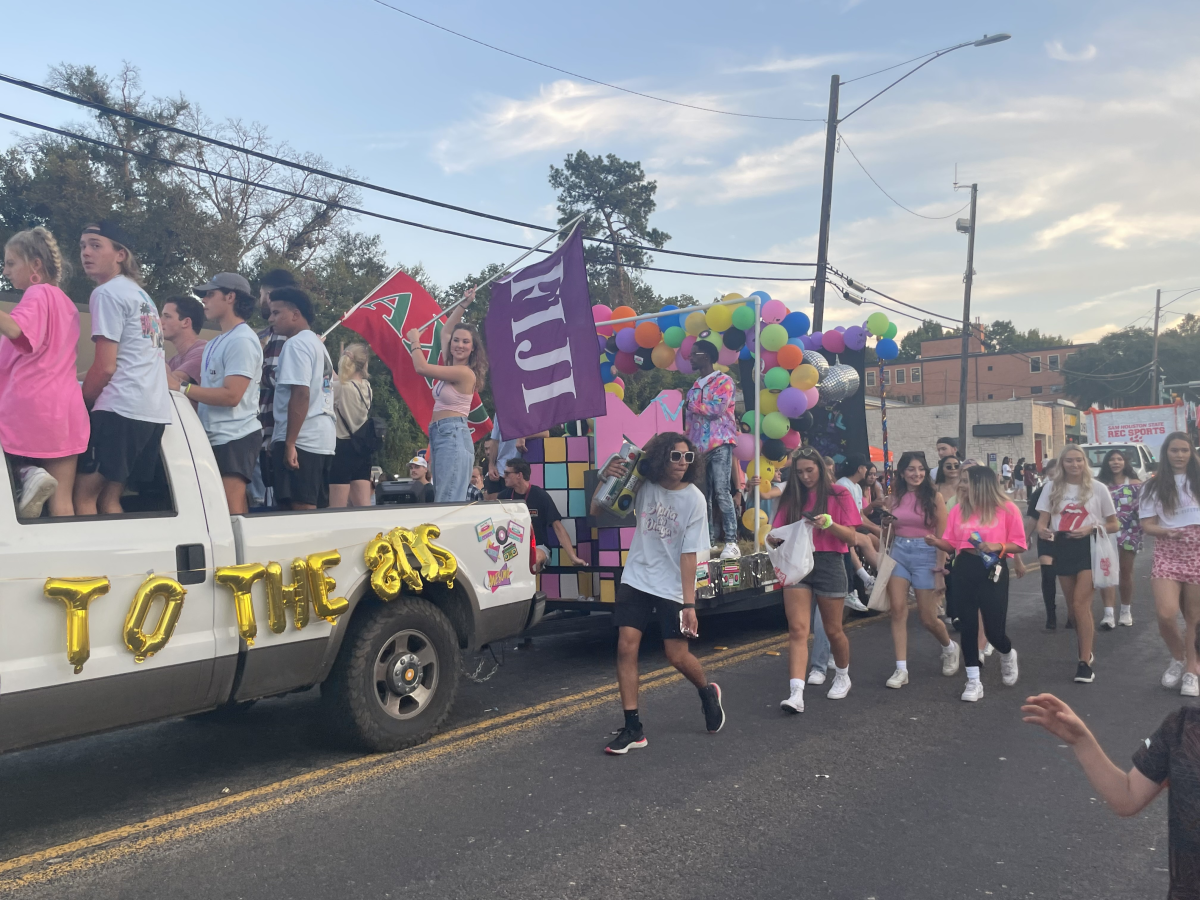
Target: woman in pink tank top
pixel 452 452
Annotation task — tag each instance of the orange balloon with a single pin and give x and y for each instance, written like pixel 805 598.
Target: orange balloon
pixel 789 356
pixel 647 335
pixel 624 312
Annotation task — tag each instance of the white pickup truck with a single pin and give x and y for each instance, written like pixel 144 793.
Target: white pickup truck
pixel 176 607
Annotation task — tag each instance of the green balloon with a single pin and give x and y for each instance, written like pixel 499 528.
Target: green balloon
pixel 748 419
pixel 892 331
pixel 775 425
pixel 773 337
pixel 777 379
pixel 877 323
pixel 743 317
pixel 674 336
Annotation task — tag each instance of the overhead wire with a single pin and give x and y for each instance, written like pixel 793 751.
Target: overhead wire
pixel 888 69
pixel 884 191
pixel 615 87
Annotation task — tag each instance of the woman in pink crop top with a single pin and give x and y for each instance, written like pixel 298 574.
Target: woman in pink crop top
pixel 451 449
pixel 916 510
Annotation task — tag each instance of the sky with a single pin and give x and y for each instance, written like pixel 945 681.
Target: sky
pixel 1080 131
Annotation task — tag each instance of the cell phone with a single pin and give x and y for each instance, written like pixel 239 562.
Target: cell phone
pixel 811 516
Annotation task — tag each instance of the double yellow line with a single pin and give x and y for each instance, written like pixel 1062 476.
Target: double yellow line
pixel 80 856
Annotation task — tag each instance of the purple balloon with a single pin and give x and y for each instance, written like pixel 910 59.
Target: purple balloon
pixel 626 341
pixel 855 337
pixel 750 338
pixel 833 342
pixel 815 340
pixel 792 402
pixel 603 341
pixel 840 328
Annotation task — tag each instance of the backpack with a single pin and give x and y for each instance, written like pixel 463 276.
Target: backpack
pixel 369 438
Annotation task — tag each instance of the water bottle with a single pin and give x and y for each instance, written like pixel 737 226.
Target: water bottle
pixel 991 561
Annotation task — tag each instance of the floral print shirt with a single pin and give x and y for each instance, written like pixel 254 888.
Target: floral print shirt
pixel 1125 498
pixel 710 412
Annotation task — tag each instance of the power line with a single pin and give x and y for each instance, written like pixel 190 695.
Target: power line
pixel 889 196
pixel 889 68
pixel 353 209
pixel 357 182
pixel 615 87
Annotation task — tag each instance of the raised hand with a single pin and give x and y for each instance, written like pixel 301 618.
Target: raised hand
pixel 1056 717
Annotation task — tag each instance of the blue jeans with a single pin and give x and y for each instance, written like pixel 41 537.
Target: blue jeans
pixel 819 657
pixel 718 471
pixel 452 458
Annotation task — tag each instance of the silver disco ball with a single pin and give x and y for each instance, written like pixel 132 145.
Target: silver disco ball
pixel 817 361
pixel 838 383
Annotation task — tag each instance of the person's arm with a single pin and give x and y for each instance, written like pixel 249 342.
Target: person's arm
pixel 229 394
pixel 452 319
pixel 687 571
pixel 1127 793
pixel 764 493
pixel 1112 524
pixel 1043 526
pixel 613 467
pixel 297 413
pixel 461 377
pixel 1152 527
pixel 9 327
pixel 491 449
pixel 104 366
pixel 565 544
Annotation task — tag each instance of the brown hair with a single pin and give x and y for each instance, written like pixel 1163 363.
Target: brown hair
pixel 927 495
pixel 38 244
pixel 657 453
pixel 129 265
pixel 477 362
pixel 795 494
pixel 982 495
pixel 1162 484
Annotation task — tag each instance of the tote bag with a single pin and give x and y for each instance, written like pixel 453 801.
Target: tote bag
pixel 879 601
pixel 793 558
pixel 1106 570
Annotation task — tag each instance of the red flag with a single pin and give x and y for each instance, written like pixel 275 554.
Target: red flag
pixel 391 311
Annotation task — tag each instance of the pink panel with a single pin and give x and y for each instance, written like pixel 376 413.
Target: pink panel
pixel 535 474
pixel 627 538
pixel 577 449
pixel 610 558
pixel 665 413
pixel 550 585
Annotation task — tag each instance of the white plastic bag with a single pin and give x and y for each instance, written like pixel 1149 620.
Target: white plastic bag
pixel 792 559
pixel 1106 570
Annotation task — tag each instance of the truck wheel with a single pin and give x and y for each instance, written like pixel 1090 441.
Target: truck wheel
pixel 396 675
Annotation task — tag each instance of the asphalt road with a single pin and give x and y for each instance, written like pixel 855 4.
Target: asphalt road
pixel 885 794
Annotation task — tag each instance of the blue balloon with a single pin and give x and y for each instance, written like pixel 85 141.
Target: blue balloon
pixel 744 353
pixel 796 323
pixel 799 342
pixel 606 372
pixel 887 349
pixel 665 322
pixel 763 294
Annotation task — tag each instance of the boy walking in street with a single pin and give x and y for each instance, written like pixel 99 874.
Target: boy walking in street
pixel 659 579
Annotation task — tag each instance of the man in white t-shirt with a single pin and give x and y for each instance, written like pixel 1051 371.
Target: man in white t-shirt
pixel 658 582
pixel 305 433
pixel 228 389
pixel 854 470
pixel 126 386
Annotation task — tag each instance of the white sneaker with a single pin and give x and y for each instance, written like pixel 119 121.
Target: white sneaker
pixel 1174 673
pixel 840 688
pixel 988 649
pixel 854 603
pixel 982 657
pixel 1109 622
pixel 973 691
pixel 1008 668
pixel 37 487
pixel 952 659
pixel 899 679
pixel 816 676
pixel 1126 617
pixel 794 703
pixel 731 551
pixel 1190 687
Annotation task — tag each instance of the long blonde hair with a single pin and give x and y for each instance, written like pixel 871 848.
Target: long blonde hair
pixel 39 244
pixel 1058 487
pixel 982 495
pixel 354 361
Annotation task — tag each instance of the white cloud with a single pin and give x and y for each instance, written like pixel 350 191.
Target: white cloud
pixel 1094 334
pixel 1112 229
pixel 1056 50
pixel 799 63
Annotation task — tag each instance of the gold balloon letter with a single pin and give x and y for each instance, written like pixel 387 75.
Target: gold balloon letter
pixel 239 579
pixel 321 585
pixel 77 593
pixel 282 597
pixel 381 560
pixel 144 645
pixel 400 538
pixel 447 565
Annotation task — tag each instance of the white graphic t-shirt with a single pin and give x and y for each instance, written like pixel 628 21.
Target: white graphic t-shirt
pixel 1075 515
pixel 304 361
pixel 1186 513
pixel 124 313
pixel 669 524
pixel 236 352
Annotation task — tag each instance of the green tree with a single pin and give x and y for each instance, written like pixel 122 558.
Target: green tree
pixel 1002 337
pixel 1113 371
pixel 928 330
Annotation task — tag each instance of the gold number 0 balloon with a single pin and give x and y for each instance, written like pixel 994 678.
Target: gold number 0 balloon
pixel 77 593
pixel 239 580
pixel 145 645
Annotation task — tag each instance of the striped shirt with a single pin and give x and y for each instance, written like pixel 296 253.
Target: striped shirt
pixel 272 346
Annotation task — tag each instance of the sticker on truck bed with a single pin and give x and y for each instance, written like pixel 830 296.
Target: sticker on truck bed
pixel 510 551
pixel 483 530
pixel 497 580
pixel 516 530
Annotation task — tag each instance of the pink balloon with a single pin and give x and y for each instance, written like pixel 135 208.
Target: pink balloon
pixel 834 342
pixel 619 380
pixel 773 311
pixel 769 359
pixel 601 314
pixel 686 347
pixel 674 366
pixel 791 440
pixel 727 357
pixel 681 360
pixel 813 397
pixel 744 448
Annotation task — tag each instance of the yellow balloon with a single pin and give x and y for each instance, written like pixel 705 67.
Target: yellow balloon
pixel 663 356
pixel 77 593
pixel 282 597
pixel 695 323
pixel 615 389
pixel 732 297
pixel 719 318
pixel 320 585
pixel 381 561
pixel 766 471
pixel 239 580
pixel 767 402
pixel 748 518
pixel 721 367
pixel 805 377
pixel 145 645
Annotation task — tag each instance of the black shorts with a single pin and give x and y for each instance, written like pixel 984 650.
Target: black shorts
pixel 237 458
pixel 828 575
pixel 119 447
pixel 349 466
pixel 636 609
pixel 308 484
pixel 1045 548
pixel 1071 555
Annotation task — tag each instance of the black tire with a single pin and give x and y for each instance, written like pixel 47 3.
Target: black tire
pixel 396 675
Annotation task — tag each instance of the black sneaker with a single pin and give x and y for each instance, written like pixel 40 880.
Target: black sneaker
pixel 1051 622
pixel 627 739
pixel 1084 673
pixel 714 712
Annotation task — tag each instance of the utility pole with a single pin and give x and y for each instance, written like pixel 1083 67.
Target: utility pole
pixel 1155 396
pixel 831 126
pixel 966 323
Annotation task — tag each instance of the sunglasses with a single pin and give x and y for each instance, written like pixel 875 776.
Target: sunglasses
pixel 686 455
pixel 951 467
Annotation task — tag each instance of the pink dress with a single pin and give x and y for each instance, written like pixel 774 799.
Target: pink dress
pixel 42 414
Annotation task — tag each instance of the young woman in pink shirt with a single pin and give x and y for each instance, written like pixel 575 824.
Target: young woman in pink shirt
pixel 982 528
pixel 43 421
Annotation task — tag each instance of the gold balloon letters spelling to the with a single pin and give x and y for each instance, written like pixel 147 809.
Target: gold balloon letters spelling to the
pixel 387 558
pixel 239 580
pixel 282 597
pixel 145 645
pixel 77 593
pixel 309 583
pixel 320 585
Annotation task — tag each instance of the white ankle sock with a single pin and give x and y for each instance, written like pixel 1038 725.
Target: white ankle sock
pixel 1125 607
pixel 948 650
pixel 796 684
pixel 972 673
pixel 902 665
pixel 840 671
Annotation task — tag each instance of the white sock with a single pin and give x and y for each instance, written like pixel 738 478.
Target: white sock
pixel 1108 612
pixel 1125 607
pixel 863 574
pixel 840 671
pixel 1009 654
pixel 948 650
pixel 796 684
pixel 902 665
pixel 972 673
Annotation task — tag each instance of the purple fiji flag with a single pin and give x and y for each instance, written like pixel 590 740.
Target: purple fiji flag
pixel 541 340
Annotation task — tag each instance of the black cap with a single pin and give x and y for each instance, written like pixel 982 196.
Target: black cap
pixel 111 230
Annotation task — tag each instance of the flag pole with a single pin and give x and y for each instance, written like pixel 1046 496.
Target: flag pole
pixel 757 413
pixel 477 287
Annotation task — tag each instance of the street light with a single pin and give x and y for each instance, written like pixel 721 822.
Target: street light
pixel 967 227
pixel 831 125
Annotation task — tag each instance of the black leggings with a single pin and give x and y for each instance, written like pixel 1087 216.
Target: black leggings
pixel 975 592
pixel 1049 583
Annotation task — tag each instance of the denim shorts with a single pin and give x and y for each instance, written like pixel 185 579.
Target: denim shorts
pixel 914 562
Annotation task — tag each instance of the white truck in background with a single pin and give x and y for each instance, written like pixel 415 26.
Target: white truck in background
pixel 177 607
